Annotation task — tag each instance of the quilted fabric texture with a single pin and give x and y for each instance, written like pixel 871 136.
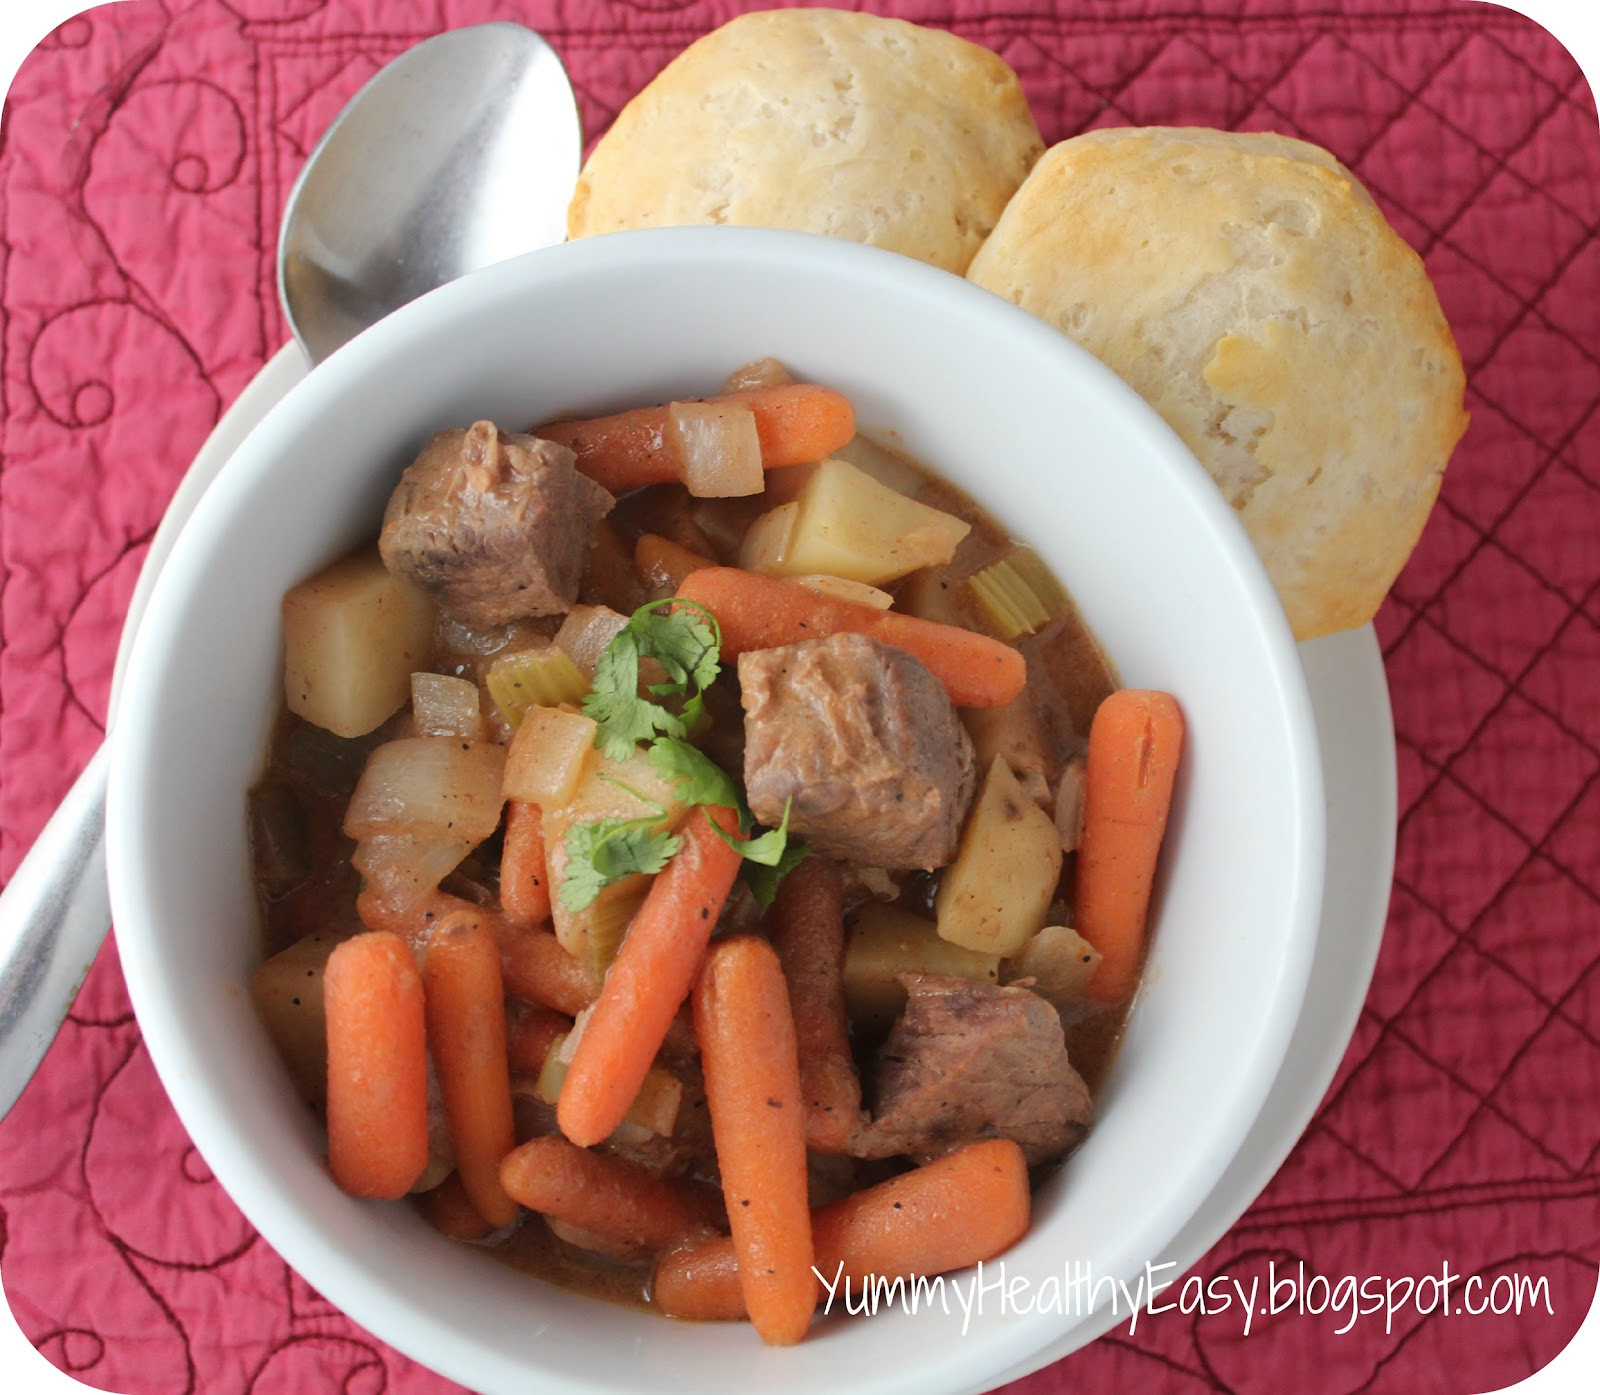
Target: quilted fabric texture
pixel 147 152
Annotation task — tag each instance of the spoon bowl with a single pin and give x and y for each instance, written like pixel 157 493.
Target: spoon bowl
pixel 443 163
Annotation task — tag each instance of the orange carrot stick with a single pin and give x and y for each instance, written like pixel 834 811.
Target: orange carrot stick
pixel 377 1066
pixel 449 1210
pixel 529 1034
pixel 609 1196
pixel 1135 742
pixel 807 927
pixel 647 981
pixel 662 564
pixel 524 877
pixel 969 1205
pixel 796 423
pixel 538 970
pixel 752 1070
pixel 467 1035
pixel 760 612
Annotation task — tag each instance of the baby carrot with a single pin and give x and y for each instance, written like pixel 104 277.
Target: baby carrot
pixel 529 1034
pixel 969 1205
pixel 796 423
pixel 760 612
pixel 647 981
pixel 662 564
pixel 1135 741
pixel 467 1035
pixel 607 1195
pixel 449 1210
pixel 538 970
pixel 524 878
pixel 377 1066
pixel 807 928
pixel 748 1051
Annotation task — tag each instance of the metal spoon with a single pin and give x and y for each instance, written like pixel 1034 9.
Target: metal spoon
pixel 460 153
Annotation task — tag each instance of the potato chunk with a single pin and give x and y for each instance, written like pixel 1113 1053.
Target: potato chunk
pixel 287 992
pixel 885 942
pixel 851 526
pixel 352 637
pixel 997 892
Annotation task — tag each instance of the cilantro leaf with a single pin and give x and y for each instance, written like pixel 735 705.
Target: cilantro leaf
pixel 604 852
pixel 763 880
pixel 699 778
pixel 686 641
pixel 768 857
pixel 766 848
pixel 622 717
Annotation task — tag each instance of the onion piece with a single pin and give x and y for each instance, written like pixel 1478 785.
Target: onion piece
pixel 429 787
pixel 1060 964
pixel 445 706
pixel 1069 805
pixel 716 448
pixel 403 869
pixel 585 633
pixel 764 372
pixel 765 548
pixel 548 756
pixel 837 586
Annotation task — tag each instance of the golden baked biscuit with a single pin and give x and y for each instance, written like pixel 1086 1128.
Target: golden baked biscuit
pixel 1250 290
pixel 823 121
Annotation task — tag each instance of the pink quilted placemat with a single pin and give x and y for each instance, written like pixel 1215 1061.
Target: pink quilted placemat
pixel 146 153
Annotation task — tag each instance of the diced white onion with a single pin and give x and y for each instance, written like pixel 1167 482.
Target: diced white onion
pixel 445 706
pixel 585 633
pixel 764 372
pixel 404 869
pixel 548 756
pixel 765 548
pixel 838 587
pixel 717 449
pixel 429 787
pixel 1069 805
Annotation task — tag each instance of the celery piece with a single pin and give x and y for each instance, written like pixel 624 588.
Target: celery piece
pixel 654 1108
pixel 607 918
pixel 1018 594
pixel 553 1074
pixel 543 677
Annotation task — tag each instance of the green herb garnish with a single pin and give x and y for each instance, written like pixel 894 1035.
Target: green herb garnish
pixel 686 642
pixel 608 850
pixel 685 639
pixel 699 778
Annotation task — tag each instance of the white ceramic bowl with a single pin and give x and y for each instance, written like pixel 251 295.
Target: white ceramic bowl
pixel 1060 451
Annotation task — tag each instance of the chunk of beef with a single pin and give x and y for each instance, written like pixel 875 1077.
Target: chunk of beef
pixel 970 1060
pixel 866 742
pixel 495 526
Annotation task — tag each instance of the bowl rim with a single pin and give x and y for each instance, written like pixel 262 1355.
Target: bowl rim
pixel 439 1345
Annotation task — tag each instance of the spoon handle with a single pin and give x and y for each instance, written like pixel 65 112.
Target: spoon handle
pixel 54 913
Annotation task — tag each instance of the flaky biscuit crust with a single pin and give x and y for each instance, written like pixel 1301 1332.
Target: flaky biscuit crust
pixel 822 121
pixel 1248 287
